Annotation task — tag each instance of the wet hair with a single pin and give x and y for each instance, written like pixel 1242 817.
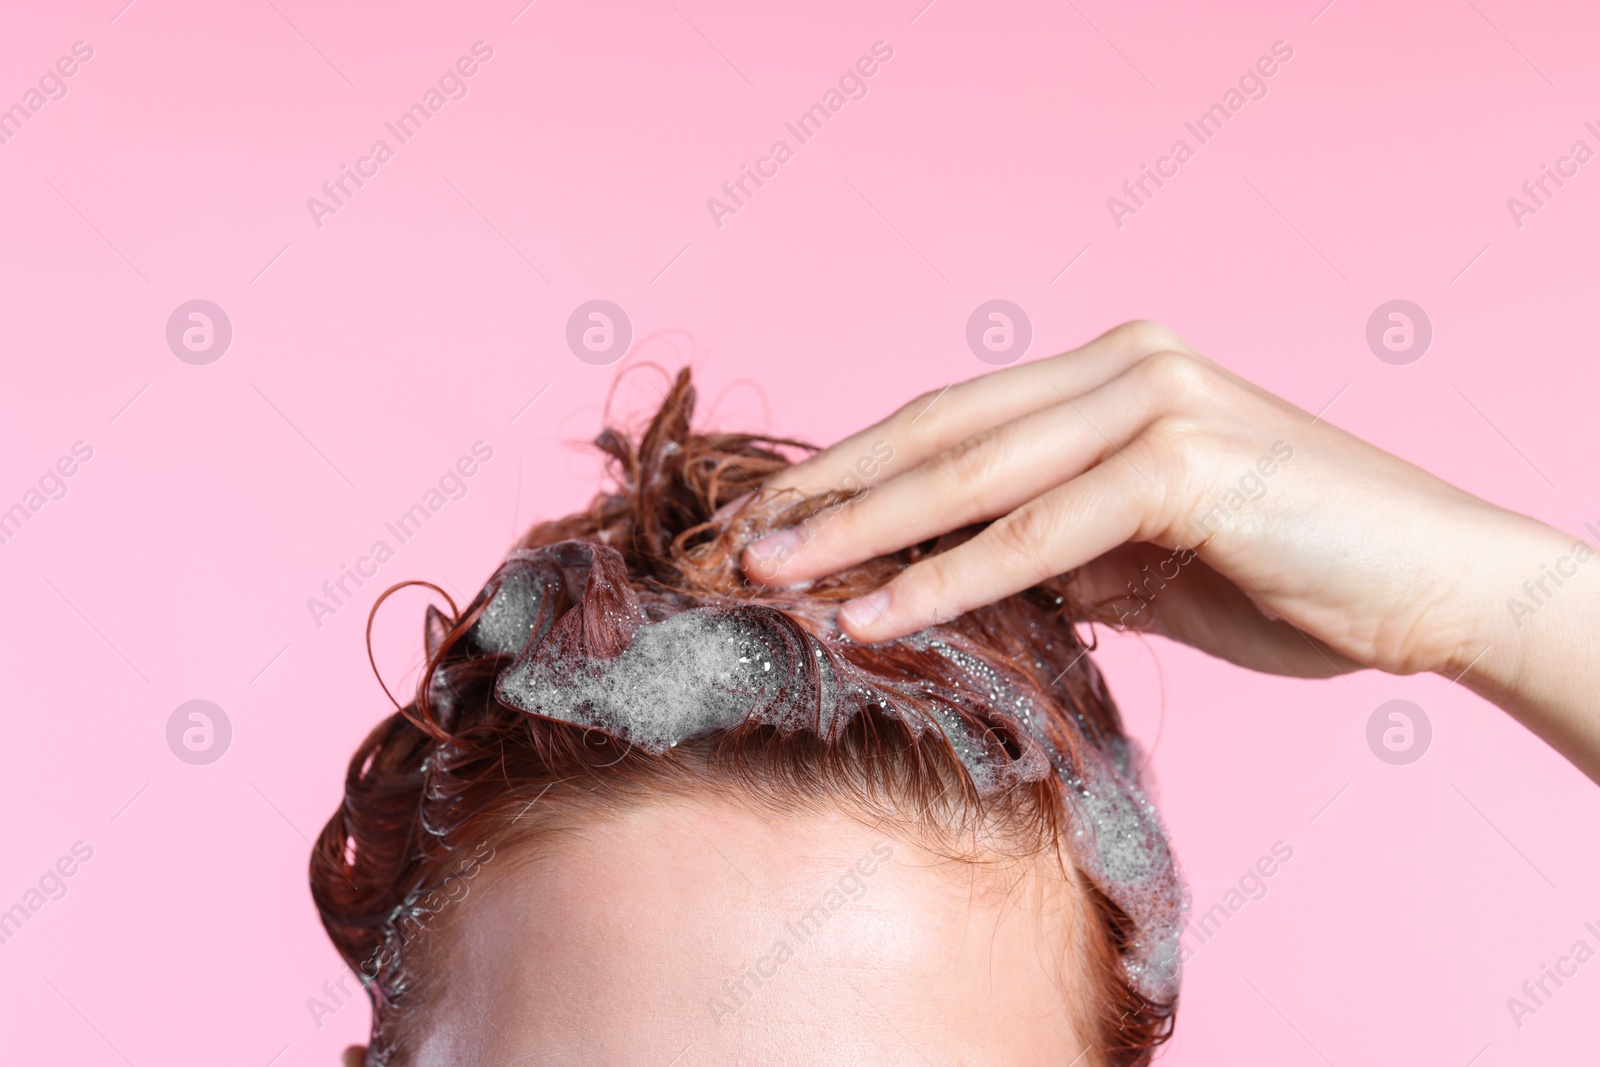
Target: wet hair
pixel 619 655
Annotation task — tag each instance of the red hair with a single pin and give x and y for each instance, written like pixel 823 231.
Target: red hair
pixel 453 772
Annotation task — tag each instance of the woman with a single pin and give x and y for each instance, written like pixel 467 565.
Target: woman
pixel 868 801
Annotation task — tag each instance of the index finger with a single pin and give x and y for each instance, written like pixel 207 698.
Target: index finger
pixel 939 419
pixel 1052 534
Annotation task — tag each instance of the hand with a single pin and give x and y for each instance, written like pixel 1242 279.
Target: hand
pixel 1195 505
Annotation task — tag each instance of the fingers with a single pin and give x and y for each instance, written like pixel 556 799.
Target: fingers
pixel 1065 528
pixel 938 420
pixel 980 478
pixel 1174 593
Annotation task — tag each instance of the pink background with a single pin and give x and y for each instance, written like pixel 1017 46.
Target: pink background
pixel 431 309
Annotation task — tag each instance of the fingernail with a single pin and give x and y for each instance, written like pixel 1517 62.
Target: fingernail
pixel 782 543
pixel 865 611
pixel 774 550
pixel 733 505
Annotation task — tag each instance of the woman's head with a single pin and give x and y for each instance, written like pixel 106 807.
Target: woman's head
pixel 639 806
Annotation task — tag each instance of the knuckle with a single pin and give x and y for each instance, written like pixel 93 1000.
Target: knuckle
pixel 1170 447
pixel 1174 435
pixel 1023 535
pixel 966 465
pixel 843 532
pixel 923 418
pixel 1178 452
pixel 938 580
pixel 920 408
pixel 929 585
pixel 1145 336
pixel 1175 374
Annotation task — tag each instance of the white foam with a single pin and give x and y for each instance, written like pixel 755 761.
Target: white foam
pixel 693 672
pixel 507 622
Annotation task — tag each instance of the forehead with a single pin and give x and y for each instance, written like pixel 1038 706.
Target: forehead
pixel 698 932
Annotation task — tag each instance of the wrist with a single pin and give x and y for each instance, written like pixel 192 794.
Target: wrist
pixel 1531 646
pixel 1522 592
